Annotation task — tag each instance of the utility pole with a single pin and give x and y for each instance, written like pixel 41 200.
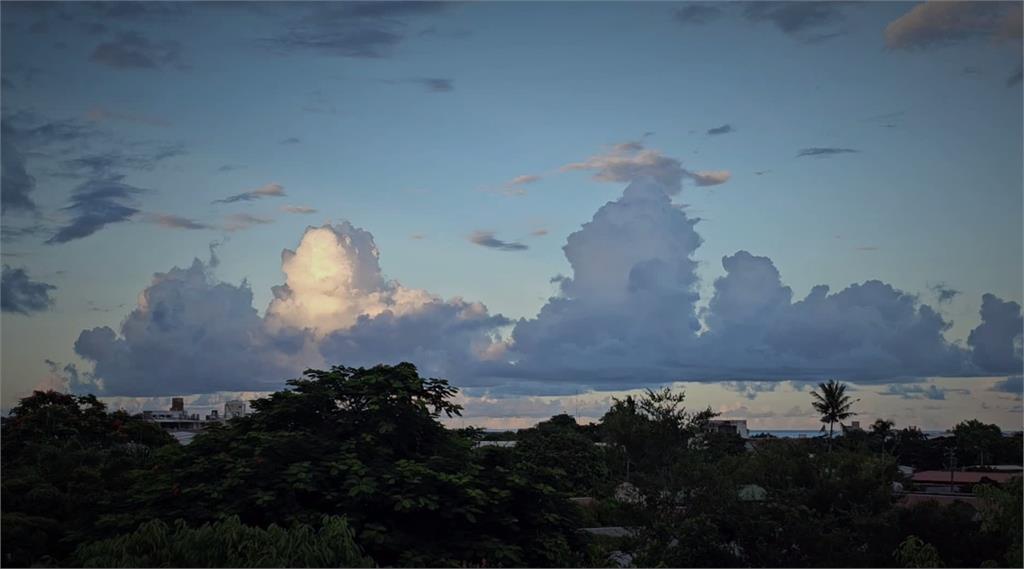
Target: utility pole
pixel 951 465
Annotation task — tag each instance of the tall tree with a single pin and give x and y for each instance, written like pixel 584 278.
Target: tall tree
pixel 882 430
pixel 834 405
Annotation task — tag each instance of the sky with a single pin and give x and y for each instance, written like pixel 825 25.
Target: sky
pixel 550 204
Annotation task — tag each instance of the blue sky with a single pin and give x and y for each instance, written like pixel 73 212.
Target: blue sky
pixel 411 120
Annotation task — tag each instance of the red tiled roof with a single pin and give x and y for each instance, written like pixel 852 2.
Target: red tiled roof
pixel 942 477
pixel 911 500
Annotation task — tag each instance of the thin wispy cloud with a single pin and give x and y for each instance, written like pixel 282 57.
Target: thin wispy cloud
pixel 169 221
pixel 809 22
pixel 724 129
pixel 825 151
pixel 133 51
pixel 267 191
pixel 291 140
pixel 299 209
pixel 102 114
pixel 241 221
pixel 94 205
pixel 350 29
pixel 487 239
pixel 697 14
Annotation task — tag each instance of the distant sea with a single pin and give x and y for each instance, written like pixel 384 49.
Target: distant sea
pixel 783 434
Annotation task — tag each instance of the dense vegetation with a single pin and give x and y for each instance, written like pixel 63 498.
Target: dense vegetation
pixel 353 467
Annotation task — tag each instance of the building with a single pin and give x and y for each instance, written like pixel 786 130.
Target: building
pixel 235 408
pixel 731 426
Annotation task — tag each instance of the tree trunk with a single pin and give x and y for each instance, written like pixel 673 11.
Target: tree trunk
pixel 830 436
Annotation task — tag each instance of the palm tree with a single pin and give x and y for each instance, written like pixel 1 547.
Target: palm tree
pixel 834 405
pixel 882 429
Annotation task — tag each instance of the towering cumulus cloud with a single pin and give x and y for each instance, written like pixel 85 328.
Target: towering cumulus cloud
pixel 191 334
pixel 627 312
pixel 625 317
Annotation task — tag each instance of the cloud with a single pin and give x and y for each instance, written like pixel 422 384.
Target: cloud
pixel 539 232
pixel 697 14
pixel 750 389
pixel 230 167
pixel 996 342
pixel 515 186
pixel 627 316
pixel 943 293
pixel 435 84
pixel 192 334
pixel 240 221
pixel 710 178
pixel 291 140
pixel 17 183
pixel 300 209
pixel 265 191
pixel 94 205
pixel 825 151
pixel 487 239
pixel 101 114
pixel 189 334
pixel 22 295
pixel 132 50
pixel 933 24
pixel 724 129
pixel 1013 385
pixel 932 392
pixel 629 303
pixel 175 222
pixel 107 164
pixel 353 29
pixel 630 160
pixel 809 22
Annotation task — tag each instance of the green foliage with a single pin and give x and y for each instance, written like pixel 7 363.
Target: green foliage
pixel 66 464
pixel 1002 514
pixel 227 543
pixel 913 552
pixel 367 444
pixel 574 463
pixel 977 440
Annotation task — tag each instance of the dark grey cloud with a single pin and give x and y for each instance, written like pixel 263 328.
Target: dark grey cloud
pixel 435 84
pixel 697 13
pixel 937 24
pixel 291 140
pixel 750 389
pixel 22 295
pixel 913 391
pixel 108 163
pixel 1013 385
pixel 724 129
pixel 487 239
pixel 806 21
pixel 16 182
pixel 996 342
pixel 943 293
pixel 192 335
pixel 825 151
pixel 132 50
pixel 94 205
pixel 352 29
pixel 265 191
